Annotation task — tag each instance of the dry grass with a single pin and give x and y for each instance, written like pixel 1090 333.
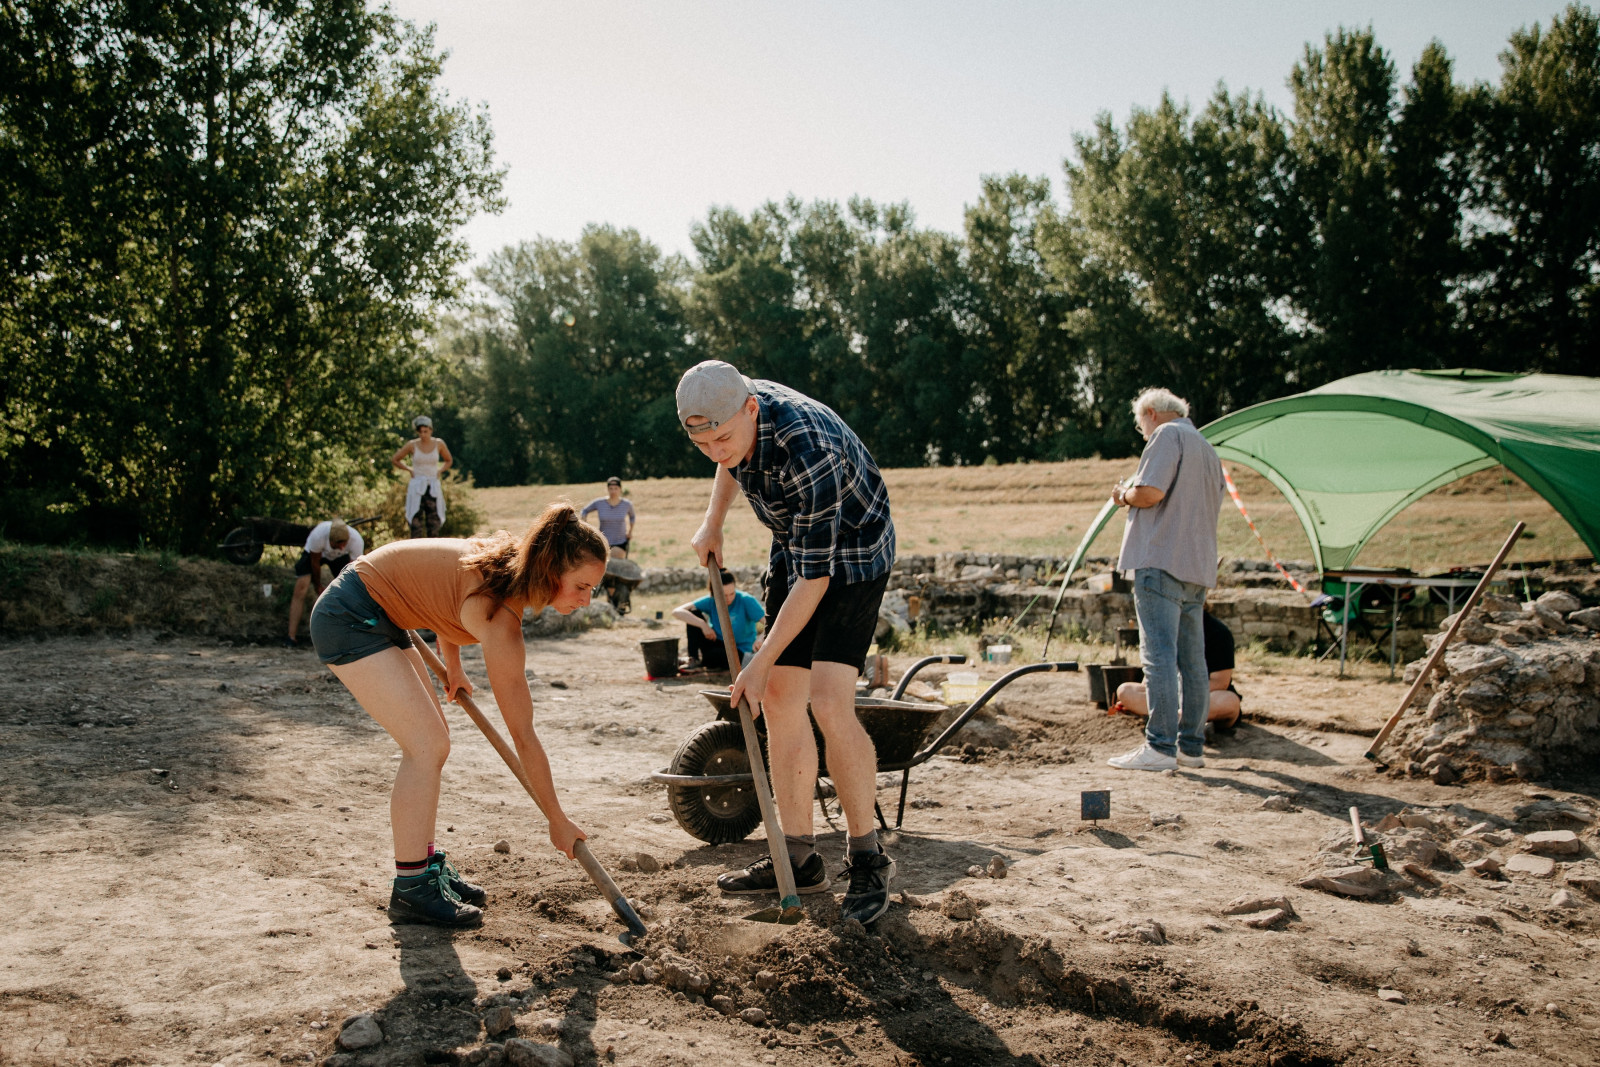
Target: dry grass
pixel 1043 508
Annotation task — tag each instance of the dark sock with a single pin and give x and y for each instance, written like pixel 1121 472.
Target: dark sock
pixel 403 869
pixel 868 842
pixel 801 846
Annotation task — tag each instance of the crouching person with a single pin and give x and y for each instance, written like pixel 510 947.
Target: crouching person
pixel 704 629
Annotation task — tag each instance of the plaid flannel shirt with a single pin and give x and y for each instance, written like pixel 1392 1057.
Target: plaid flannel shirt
pixel 812 483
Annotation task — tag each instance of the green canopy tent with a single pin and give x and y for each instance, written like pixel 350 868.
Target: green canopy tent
pixel 1352 454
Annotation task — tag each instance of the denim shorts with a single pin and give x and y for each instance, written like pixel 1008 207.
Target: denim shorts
pixel 347 624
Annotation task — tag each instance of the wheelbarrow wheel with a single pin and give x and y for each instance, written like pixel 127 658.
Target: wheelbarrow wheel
pixel 715 814
pixel 241 546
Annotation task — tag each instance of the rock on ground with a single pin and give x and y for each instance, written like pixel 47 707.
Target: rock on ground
pixel 520 1052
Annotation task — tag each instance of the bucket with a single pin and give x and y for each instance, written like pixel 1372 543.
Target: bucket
pixel 1104 680
pixel 660 657
pixel 961 687
pixel 998 653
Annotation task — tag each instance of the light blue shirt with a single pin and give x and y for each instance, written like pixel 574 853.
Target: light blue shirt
pixel 743 613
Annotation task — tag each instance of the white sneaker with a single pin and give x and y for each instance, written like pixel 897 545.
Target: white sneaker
pixel 1143 758
pixel 1191 761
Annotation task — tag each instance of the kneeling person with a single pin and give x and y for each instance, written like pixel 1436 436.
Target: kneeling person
pixel 811 482
pixel 1225 708
pixel 704 630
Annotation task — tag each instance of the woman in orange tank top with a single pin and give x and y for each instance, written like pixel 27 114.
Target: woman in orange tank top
pixel 466 592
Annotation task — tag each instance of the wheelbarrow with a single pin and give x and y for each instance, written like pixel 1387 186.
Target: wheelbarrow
pixel 243 544
pixel 708 782
pixel 622 576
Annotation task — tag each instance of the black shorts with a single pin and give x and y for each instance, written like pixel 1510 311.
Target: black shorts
pixel 302 566
pixel 347 624
pixel 840 630
pixel 623 544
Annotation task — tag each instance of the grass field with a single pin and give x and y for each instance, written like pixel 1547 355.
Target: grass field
pixel 1043 508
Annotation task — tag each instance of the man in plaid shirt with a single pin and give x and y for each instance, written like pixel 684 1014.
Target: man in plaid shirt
pixel 812 483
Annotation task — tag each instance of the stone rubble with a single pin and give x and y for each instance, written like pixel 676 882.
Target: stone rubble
pixel 1517 694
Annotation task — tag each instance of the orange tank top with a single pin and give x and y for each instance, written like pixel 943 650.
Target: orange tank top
pixel 421 584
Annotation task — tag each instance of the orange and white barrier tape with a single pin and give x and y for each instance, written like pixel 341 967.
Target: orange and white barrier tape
pixel 1233 491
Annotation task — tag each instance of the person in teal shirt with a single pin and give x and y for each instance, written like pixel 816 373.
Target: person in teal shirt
pixel 704 644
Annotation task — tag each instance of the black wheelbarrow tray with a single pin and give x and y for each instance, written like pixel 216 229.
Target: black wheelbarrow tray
pixel 709 788
pixel 243 544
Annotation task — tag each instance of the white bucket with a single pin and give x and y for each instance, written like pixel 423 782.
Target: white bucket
pixel 999 653
pixel 266 590
pixel 961 687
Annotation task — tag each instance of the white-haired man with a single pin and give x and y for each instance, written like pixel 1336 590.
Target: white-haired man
pixel 1170 546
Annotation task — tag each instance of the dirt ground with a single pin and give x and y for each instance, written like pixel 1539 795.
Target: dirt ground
pixel 197 857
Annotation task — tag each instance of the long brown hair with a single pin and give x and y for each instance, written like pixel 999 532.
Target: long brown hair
pixel 529 568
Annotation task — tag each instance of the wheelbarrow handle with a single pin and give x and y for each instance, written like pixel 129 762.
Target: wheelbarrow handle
pixel 983 698
pixel 911 672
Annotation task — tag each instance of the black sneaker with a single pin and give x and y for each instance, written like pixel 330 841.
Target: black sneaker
pixel 427 898
pixel 471 894
pixel 759 878
pixel 289 642
pixel 868 896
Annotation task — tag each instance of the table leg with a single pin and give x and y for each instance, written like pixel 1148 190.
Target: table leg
pixel 1394 631
pixel 1344 629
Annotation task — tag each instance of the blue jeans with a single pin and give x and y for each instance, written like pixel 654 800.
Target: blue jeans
pixel 1172 644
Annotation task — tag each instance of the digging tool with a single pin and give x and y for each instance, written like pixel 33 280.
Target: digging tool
pixel 580 849
pixel 1439 649
pixel 788 912
pixel 1364 850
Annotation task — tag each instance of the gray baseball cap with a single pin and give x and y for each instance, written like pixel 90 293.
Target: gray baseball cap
pixel 712 390
pixel 421 421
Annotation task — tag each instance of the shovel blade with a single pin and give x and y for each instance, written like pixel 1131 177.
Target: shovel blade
pixel 787 913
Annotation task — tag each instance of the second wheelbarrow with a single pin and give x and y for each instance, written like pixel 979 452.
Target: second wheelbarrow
pixel 709 789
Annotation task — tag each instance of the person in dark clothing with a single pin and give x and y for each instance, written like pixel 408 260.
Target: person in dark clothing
pixel 1225 708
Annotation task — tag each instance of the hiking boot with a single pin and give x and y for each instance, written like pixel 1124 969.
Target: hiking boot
pixel 868 896
pixel 469 893
pixel 1144 758
pixel 289 642
pixel 427 898
pixel 758 878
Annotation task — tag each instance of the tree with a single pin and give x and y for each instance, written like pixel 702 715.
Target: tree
pixel 577 355
pixel 1535 200
pixel 224 222
pixel 1174 254
pixel 1013 321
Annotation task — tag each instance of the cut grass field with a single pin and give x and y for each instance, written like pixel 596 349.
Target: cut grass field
pixel 1043 508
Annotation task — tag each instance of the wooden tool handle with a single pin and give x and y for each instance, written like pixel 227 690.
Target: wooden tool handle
pixel 580 848
pixel 1439 649
pixel 1355 821
pixel 788 895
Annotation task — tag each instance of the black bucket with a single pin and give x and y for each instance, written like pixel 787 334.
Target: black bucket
pixel 660 657
pixel 1104 680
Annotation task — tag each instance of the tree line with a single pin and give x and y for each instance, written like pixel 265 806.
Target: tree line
pixel 1232 252
pixel 231 269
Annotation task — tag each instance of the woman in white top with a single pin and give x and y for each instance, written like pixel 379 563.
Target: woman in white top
pixel 430 458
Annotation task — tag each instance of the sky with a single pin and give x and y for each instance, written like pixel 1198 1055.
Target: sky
pixel 645 115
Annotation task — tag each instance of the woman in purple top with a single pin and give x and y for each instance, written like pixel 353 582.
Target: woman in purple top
pixel 616 517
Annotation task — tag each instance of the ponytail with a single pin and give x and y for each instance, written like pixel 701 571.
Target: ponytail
pixel 529 568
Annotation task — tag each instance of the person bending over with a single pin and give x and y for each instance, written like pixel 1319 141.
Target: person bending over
pixel 466 592
pixel 704 630
pixel 811 482
pixel 1226 707
pixel 331 542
